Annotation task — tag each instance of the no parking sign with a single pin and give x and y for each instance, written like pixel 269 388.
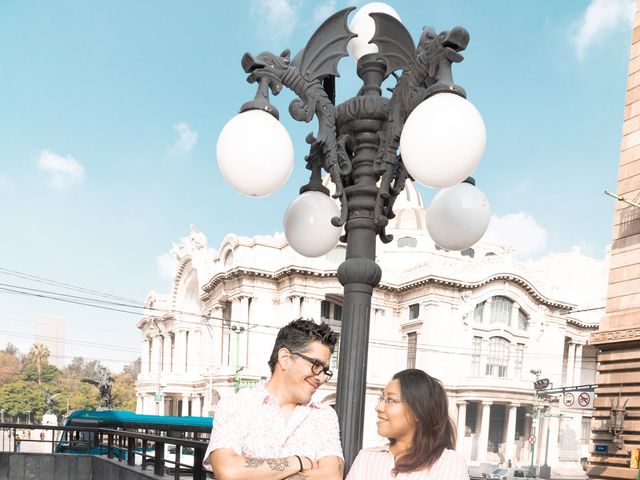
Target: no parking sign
pixel 578 399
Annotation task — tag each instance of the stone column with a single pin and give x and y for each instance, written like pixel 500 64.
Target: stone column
pixel 577 369
pixel 483 440
pixel 510 450
pixel 194 362
pixel 145 365
pixel 180 352
pixel 185 406
pixel 139 405
pixel 571 355
pixel 166 354
pixel 462 419
pixel 156 345
pixel 160 406
pixel 196 406
pixel 296 307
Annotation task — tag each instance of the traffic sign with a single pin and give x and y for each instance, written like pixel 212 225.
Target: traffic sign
pixel 584 399
pixel 532 439
pixel 568 399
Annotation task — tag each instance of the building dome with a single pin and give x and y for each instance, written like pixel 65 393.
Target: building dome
pixel 408 207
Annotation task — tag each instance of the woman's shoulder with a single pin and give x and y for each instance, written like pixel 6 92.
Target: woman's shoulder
pixel 451 461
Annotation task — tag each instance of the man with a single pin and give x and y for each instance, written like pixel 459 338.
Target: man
pixel 274 431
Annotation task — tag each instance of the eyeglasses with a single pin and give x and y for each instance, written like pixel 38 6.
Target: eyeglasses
pixel 388 400
pixel 317 367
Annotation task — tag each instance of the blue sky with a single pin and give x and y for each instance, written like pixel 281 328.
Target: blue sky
pixel 110 112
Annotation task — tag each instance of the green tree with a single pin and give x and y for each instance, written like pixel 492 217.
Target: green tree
pixel 10 366
pixel 39 355
pixel 22 396
pixel 124 391
pixel 48 373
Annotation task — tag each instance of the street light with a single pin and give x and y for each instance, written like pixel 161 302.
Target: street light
pixel 440 134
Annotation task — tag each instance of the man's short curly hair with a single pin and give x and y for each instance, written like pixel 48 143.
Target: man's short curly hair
pixel 297 335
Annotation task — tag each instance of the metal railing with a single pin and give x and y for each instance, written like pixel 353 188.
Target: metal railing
pixel 133 448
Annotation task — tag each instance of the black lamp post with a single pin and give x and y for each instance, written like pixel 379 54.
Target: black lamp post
pixel 357 144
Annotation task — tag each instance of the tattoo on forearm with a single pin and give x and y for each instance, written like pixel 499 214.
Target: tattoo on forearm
pixel 278 464
pixel 253 462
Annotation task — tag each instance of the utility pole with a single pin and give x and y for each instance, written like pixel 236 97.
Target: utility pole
pixel 237 330
pixel 538 384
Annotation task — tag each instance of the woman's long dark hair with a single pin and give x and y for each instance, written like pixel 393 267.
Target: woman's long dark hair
pixel 426 399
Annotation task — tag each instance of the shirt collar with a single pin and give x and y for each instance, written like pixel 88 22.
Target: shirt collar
pixel 267 398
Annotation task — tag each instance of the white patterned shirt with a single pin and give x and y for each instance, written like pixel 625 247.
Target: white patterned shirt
pixel 250 423
pixel 376 464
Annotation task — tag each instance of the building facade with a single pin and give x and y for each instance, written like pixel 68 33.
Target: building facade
pixel 479 320
pixel 618 338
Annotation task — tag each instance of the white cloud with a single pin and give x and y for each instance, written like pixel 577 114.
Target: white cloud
pixel 324 10
pixel 518 230
pixel 167 265
pixel 186 141
pixel 600 18
pixel 63 172
pixel 275 17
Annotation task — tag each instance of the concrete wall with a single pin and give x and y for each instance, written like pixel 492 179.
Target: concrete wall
pixel 36 466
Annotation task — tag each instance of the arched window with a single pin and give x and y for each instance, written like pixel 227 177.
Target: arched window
pixel 501 310
pixel 477 313
pixel 498 358
pixel 523 320
pixel 228 259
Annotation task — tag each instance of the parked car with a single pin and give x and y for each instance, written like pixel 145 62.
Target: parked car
pixel 511 473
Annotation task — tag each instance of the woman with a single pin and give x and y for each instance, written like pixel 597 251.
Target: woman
pixel 413 415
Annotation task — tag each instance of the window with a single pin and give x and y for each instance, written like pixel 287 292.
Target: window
pixel 412 347
pixel 228 259
pixel 407 242
pixel 330 310
pixel 518 360
pixel 475 356
pixel 501 310
pixel 498 358
pixel 523 320
pixel 325 309
pixel 414 311
pixel 477 312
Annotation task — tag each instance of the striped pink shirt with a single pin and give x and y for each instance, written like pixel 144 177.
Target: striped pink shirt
pixel 376 464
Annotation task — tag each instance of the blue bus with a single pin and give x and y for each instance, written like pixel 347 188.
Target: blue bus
pixel 88 443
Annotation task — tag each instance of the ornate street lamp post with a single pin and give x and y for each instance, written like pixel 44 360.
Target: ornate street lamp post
pixel 440 134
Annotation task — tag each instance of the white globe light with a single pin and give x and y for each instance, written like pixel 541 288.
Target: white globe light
pixel 443 140
pixel 458 217
pixel 307 224
pixel 364 26
pixel 255 153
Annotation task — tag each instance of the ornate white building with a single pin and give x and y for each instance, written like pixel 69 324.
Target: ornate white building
pixel 479 320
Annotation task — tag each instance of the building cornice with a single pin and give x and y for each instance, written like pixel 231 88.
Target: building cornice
pixel 625 335
pixel 384 286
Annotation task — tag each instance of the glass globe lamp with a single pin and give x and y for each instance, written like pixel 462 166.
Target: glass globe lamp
pixel 255 153
pixel 443 140
pixel 458 216
pixel 364 26
pixel 307 224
